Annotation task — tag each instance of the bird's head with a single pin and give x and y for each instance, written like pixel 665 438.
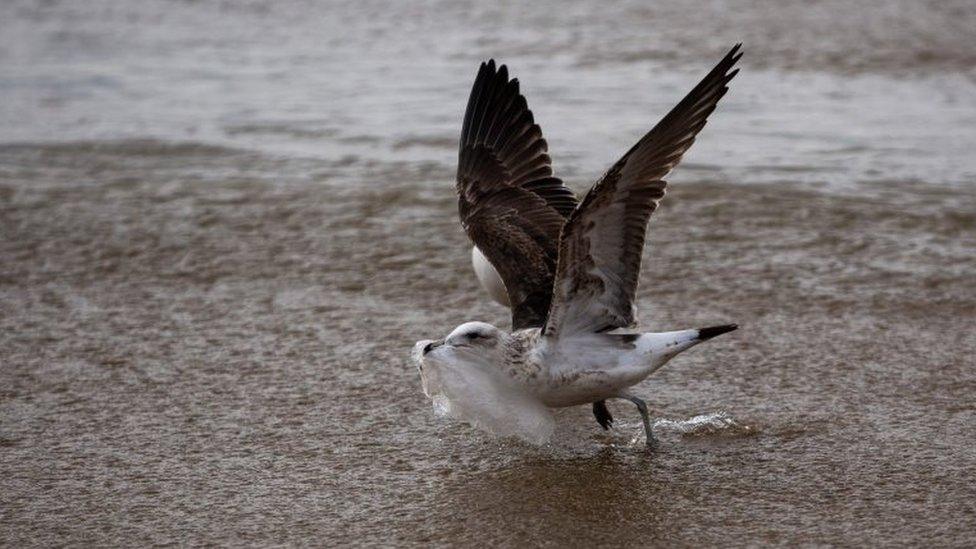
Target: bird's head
pixel 475 342
pixel 465 377
pixel 466 361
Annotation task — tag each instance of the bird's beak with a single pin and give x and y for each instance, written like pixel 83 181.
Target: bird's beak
pixel 431 346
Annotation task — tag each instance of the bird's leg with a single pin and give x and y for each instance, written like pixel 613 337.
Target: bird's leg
pixel 642 408
pixel 602 414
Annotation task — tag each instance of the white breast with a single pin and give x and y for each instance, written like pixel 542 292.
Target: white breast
pixel 488 277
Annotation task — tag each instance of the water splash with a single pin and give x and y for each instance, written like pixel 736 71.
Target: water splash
pixel 719 423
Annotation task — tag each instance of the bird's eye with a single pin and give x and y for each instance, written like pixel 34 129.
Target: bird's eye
pixel 474 335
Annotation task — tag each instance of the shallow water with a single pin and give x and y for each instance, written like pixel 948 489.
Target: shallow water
pixel 223 226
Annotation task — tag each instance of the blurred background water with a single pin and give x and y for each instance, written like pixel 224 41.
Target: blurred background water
pixel 837 93
pixel 223 224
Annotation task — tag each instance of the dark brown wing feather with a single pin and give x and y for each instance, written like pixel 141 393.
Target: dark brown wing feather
pixel 505 178
pixel 514 228
pixel 600 251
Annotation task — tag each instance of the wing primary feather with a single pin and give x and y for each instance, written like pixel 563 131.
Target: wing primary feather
pixel 510 204
pixel 600 250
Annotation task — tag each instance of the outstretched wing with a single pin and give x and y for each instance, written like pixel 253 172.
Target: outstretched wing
pixel 600 251
pixel 510 204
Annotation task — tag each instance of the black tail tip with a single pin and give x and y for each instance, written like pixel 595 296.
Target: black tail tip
pixel 712 331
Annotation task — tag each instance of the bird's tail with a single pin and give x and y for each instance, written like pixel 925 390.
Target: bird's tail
pixel 663 346
pixel 712 331
pixel 675 342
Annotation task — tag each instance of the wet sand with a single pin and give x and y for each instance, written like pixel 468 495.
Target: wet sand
pixel 206 345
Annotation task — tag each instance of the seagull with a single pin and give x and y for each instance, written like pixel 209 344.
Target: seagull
pixel 567 268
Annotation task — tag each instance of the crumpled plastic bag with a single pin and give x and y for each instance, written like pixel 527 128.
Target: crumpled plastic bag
pixel 486 399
